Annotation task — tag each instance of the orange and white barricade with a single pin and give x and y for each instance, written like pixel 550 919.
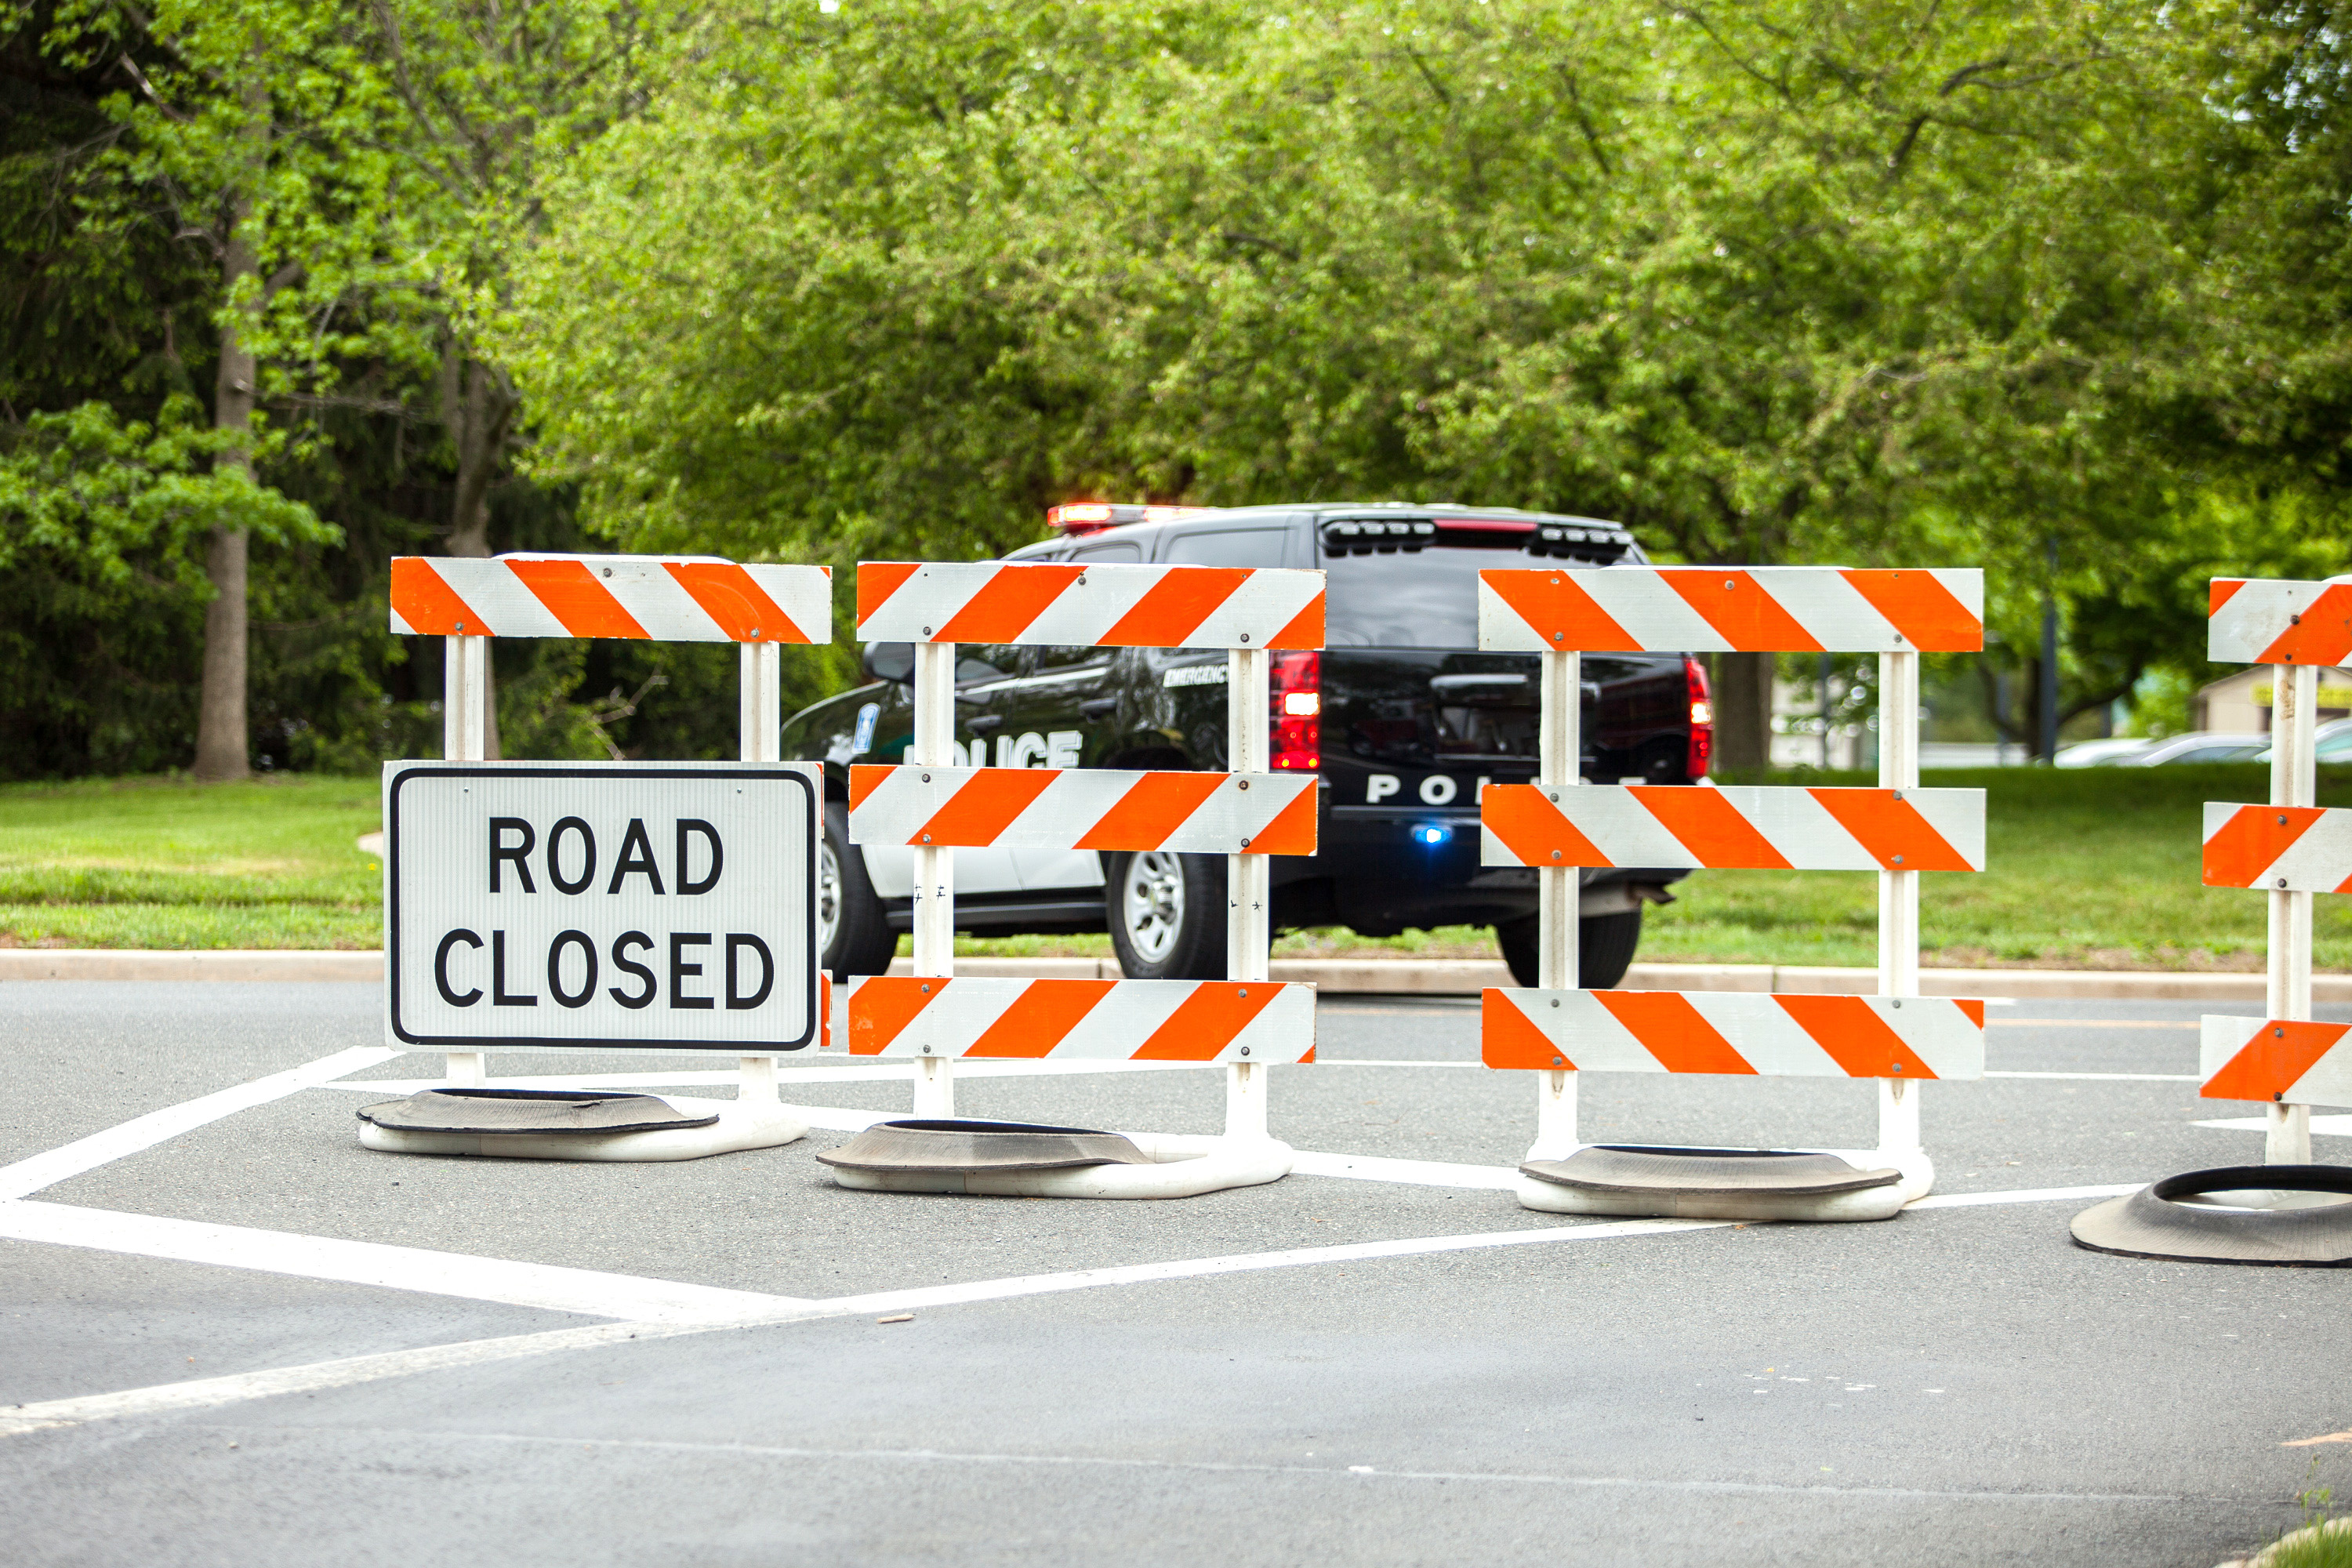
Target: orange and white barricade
pixel 1559 824
pixel 468 601
pixel 2287 1210
pixel 1246 1022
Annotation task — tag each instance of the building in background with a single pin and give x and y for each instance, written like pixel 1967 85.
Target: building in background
pixel 2240 703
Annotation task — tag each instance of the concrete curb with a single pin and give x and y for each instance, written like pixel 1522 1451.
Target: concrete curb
pixel 1347 976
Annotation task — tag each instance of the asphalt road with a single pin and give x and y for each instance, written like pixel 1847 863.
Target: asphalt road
pixel 1427 1374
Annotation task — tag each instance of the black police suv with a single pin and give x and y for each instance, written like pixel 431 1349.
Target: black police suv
pixel 1399 714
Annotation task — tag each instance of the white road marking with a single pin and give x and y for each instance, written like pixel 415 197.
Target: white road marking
pixel 2028 1195
pixel 45 1170
pixel 902 1072
pixel 1336 1472
pixel 200 1394
pixel 2095 1076
pixel 209 1392
pixel 546 1285
pixel 2331 1126
pixel 1414 1172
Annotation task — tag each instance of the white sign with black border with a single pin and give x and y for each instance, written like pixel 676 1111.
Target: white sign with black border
pixel 640 906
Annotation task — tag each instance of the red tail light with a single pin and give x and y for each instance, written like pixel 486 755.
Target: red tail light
pixel 1295 729
pixel 1702 719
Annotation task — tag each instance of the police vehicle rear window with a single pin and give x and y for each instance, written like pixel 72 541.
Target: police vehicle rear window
pixel 1420 589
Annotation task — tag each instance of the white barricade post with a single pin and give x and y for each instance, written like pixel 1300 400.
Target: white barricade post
pixel 516 893
pixel 2287 1210
pixel 1560 824
pixel 1246 1022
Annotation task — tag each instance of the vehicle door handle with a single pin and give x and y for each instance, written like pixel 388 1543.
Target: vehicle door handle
pixel 1096 707
pixel 981 723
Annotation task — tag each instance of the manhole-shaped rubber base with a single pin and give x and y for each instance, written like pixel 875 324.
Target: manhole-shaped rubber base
pixel 1633 1170
pixel 529 1110
pixel 2155 1222
pixel 981 1146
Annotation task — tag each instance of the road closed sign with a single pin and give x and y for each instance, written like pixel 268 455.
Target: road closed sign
pixel 638 905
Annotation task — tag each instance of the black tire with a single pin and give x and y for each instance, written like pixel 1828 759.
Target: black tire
pixel 1604 948
pixel 1175 927
pixel 861 940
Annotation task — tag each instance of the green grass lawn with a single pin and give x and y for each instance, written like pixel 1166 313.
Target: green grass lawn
pixel 2094 868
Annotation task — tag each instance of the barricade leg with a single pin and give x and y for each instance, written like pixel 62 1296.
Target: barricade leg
pixel 934 920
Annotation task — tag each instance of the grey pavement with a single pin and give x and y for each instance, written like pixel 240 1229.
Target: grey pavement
pixel 1958 1385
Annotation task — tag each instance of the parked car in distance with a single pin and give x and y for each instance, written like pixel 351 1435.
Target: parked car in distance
pixel 2331 743
pixel 1400 715
pixel 2100 753
pixel 2198 748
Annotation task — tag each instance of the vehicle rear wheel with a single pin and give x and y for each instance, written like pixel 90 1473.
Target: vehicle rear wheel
pixel 852 935
pixel 1166 914
pixel 1604 948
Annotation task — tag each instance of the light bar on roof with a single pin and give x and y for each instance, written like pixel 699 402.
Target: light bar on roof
pixel 1092 516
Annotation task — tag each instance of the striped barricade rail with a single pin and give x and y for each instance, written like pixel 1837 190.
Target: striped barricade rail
pixel 1084 808
pixel 1738 828
pixel 1258 1021
pixel 1907 1037
pixel 657 598
pixel 2288 1061
pixel 1737 609
pixel 1059 604
pixel 2255 620
pixel 2283 848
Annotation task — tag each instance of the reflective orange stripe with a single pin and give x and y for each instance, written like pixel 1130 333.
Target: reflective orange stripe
pixel 2324 634
pixel 1007 603
pixel 1855 1036
pixel 1921 608
pixel 428 605
pixel 729 597
pixel 1291 831
pixel 1532 826
pixel 1747 616
pixel 1671 1029
pixel 984 806
pixel 1145 814
pixel 1306 628
pixel 877 580
pixel 885 1005
pixel 1173 607
pixel 2252 839
pixel 1206 1022
pixel 864 778
pixel 1887 827
pixel 2268 1065
pixel 573 596
pixel 1041 1018
pixel 2220 592
pixel 1510 1038
pixel 1709 826
pixel 1552 602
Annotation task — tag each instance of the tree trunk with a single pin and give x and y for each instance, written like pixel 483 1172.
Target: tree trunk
pixel 224 736
pixel 479 403
pixel 1743 711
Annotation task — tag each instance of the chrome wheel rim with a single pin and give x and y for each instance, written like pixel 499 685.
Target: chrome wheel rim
pixel 828 897
pixel 1153 904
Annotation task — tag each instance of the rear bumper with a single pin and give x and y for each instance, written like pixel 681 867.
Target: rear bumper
pixel 1378 874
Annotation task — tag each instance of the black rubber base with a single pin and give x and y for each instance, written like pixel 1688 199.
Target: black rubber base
pixel 529 1110
pixel 1633 1170
pixel 964 1145
pixel 2155 1223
